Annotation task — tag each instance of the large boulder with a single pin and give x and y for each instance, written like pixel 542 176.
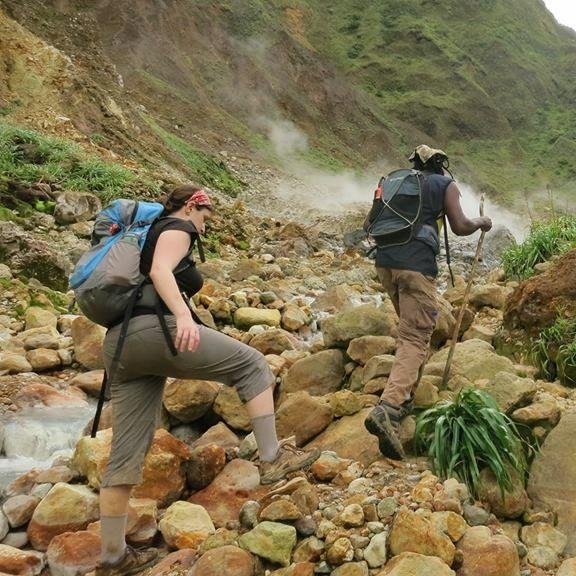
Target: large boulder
pixel 185 525
pixel 66 508
pixel 20 562
pixel 409 563
pixel 164 476
pixel 349 439
pixel 363 320
pixel 245 318
pixel 474 359
pixel 552 480
pixel 363 348
pixel 225 560
pixel 534 304
pixel 303 416
pixel 73 553
pixel 274 341
pixel 318 374
pixel 270 540
pixel 88 339
pixel 485 554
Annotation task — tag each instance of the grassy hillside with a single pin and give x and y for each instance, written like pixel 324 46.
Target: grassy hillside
pixel 490 81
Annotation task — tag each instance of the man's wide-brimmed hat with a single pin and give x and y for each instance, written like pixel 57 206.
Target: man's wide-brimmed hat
pixel 425 153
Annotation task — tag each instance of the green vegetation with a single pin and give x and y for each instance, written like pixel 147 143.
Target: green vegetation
pixel 468 434
pixel 205 167
pixel 546 239
pixel 554 351
pixel 28 157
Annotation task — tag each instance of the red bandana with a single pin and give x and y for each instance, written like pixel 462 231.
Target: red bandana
pixel 200 198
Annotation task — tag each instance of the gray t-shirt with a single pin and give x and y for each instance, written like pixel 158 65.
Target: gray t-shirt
pixel 417 255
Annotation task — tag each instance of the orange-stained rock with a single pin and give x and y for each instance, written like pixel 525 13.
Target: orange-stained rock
pixel 164 475
pixel 238 482
pixel 226 560
pixel 20 562
pixel 66 508
pixel 73 553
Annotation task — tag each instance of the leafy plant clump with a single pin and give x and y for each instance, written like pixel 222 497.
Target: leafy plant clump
pixel 468 434
pixel 554 351
pixel 28 157
pixel 546 239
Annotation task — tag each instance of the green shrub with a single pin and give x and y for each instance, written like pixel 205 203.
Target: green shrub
pixel 546 239
pixel 468 434
pixel 554 351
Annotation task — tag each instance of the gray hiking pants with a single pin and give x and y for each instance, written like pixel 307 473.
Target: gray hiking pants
pixel 138 385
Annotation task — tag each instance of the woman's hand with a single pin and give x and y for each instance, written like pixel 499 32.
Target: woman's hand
pixel 187 334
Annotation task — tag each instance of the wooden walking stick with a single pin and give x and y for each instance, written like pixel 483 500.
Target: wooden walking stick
pixel 464 301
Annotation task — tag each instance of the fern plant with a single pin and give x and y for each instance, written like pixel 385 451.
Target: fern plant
pixel 463 436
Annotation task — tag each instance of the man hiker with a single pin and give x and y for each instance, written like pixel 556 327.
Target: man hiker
pixel 407 270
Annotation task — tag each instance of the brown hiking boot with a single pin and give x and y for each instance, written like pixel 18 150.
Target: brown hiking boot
pixel 132 562
pixel 289 459
pixel 384 421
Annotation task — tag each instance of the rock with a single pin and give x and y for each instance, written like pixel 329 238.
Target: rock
pixel 378 366
pixel 557 490
pixel 224 497
pixel 479 332
pixel 445 324
pixel 220 435
pixel 245 268
pixel 4 526
pixel 19 509
pixel 38 394
pixel 245 318
pixel 567 568
pixel 413 533
pixel 270 540
pixel 281 511
pixel 76 207
pixel 73 553
pixel 352 516
pixel 485 554
pixel 511 391
pixel 475 359
pixel 274 341
pixel 188 400
pixel 542 534
pixel 515 501
pixel 90 382
pixel 328 466
pixel 340 551
pixel 545 412
pixel 363 348
pixel 349 439
pixel 426 393
pixel 304 416
pixel 345 403
pixel 375 552
pixel 318 374
pixel 43 359
pixel 294 318
pixel 163 473
pixel 336 299
pixel 185 525
pixel 66 508
pixel 14 363
pixel 492 295
pixel 231 409
pixel 88 339
pixel 36 317
pixel 205 463
pixel 475 515
pixel 309 550
pixel 173 563
pixel 451 523
pixel 409 564
pixel 534 304
pixel 363 320
pixel 20 562
pixel 226 560
pixel 16 540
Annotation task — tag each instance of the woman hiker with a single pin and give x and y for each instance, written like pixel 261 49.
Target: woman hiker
pixel 148 359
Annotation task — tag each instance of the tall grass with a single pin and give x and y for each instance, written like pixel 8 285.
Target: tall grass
pixel 463 436
pixel 27 157
pixel 546 239
pixel 554 350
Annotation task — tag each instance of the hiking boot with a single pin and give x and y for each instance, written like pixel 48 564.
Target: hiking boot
pixel 289 459
pixel 132 562
pixel 384 421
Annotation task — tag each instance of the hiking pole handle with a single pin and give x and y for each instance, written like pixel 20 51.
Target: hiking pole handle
pixel 465 299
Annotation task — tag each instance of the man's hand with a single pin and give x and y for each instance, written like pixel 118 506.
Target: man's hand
pixel 187 334
pixel 484 223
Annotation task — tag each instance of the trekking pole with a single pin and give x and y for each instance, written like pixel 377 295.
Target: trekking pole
pixel 464 301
